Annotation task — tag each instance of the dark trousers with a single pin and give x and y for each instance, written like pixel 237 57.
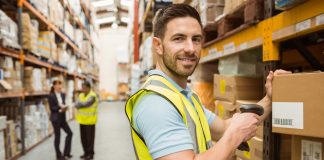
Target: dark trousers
pixel 57 125
pixel 87 138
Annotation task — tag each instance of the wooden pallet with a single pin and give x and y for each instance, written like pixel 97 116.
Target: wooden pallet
pixel 248 13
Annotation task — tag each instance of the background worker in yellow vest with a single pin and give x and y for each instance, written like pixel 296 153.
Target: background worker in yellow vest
pixel 159 129
pixel 87 106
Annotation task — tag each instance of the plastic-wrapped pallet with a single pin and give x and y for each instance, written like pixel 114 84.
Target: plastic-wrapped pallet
pixel 78 37
pixel 32 80
pixel 41 5
pixel 72 64
pixel 8 31
pixel 46 45
pixel 68 29
pixel 75 4
pixel 30 33
pixel 56 12
pixel 63 54
pixel 243 64
pixel 69 98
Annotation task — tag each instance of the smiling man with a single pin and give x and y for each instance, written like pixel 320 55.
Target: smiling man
pixel 167 119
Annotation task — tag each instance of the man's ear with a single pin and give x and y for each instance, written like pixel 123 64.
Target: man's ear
pixel 157 46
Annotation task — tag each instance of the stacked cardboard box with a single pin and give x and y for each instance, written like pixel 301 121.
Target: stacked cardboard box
pixel 41 5
pixel 248 63
pixel 8 31
pixel 37 123
pixel 86 47
pixel 47 46
pixel 231 5
pixel 297 107
pixel 35 79
pixel 210 10
pixel 11 139
pixel 232 88
pixel 29 33
pixel 11 73
pixel 297 115
pixel 63 54
pixel 301 148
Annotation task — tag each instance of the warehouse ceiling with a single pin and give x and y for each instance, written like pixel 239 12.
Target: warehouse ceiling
pixel 111 13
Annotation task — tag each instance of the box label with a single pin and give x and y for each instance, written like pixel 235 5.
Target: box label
pixel 212 51
pixel 311 150
pixel 303 25
pixel 288 115
pixel 320 19
pixel 222 86
pixel 243 46
pixel 229 48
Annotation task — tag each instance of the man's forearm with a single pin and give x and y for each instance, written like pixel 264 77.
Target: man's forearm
pixel 223 149
pixel 266 103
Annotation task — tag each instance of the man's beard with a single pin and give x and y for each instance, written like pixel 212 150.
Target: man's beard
pixel 171 65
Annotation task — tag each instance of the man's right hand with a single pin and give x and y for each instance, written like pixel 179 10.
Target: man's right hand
pixel 243 126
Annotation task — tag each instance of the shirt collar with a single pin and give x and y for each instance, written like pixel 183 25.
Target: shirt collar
pixel 187 92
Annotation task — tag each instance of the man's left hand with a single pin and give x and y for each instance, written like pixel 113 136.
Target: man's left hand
pixel 268 84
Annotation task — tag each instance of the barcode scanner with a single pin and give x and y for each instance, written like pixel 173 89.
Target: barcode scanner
pixel 249 108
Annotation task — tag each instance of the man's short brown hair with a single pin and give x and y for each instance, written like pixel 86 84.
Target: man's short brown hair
pixel 165 15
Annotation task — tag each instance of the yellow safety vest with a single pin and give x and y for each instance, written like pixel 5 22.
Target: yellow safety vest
pixel 87 116
pixel 159 85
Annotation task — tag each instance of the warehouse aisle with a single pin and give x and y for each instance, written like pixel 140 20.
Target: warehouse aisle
pixel 113 141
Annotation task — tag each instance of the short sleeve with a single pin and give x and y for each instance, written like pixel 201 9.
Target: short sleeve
pixel 161 126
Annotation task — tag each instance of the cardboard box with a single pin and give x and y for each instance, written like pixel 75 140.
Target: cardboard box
pixel 205 92
pixel 256 150
pixel 301 148
pixel 232 88
pixel 3 120
pixel 231 5
pixel 225 110
pixel 297 107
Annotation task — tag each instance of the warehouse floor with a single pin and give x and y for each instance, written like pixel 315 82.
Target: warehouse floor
pixel 113 141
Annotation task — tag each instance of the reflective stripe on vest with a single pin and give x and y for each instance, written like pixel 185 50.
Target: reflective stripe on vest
pixel 87 116
pixel 180 102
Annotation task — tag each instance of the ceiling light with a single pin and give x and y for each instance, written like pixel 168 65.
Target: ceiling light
pixel 102 3
pixel 105 20
pixel 125 19
pixel 114 25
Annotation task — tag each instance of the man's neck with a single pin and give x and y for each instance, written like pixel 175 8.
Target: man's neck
pixel 181 81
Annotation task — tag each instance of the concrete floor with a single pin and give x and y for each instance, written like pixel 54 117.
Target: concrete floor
pixel 113 140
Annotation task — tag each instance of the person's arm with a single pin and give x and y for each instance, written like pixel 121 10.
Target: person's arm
pixel 85 104
pixel 241 128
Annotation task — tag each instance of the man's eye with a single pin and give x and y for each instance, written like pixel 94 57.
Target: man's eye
pixel 179 39
pixel 198 40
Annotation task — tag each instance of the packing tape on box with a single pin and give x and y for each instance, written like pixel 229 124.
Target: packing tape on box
pixel 222 86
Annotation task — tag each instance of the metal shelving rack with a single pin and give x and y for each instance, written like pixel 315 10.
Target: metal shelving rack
pixel 31 60
pixel 296 22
